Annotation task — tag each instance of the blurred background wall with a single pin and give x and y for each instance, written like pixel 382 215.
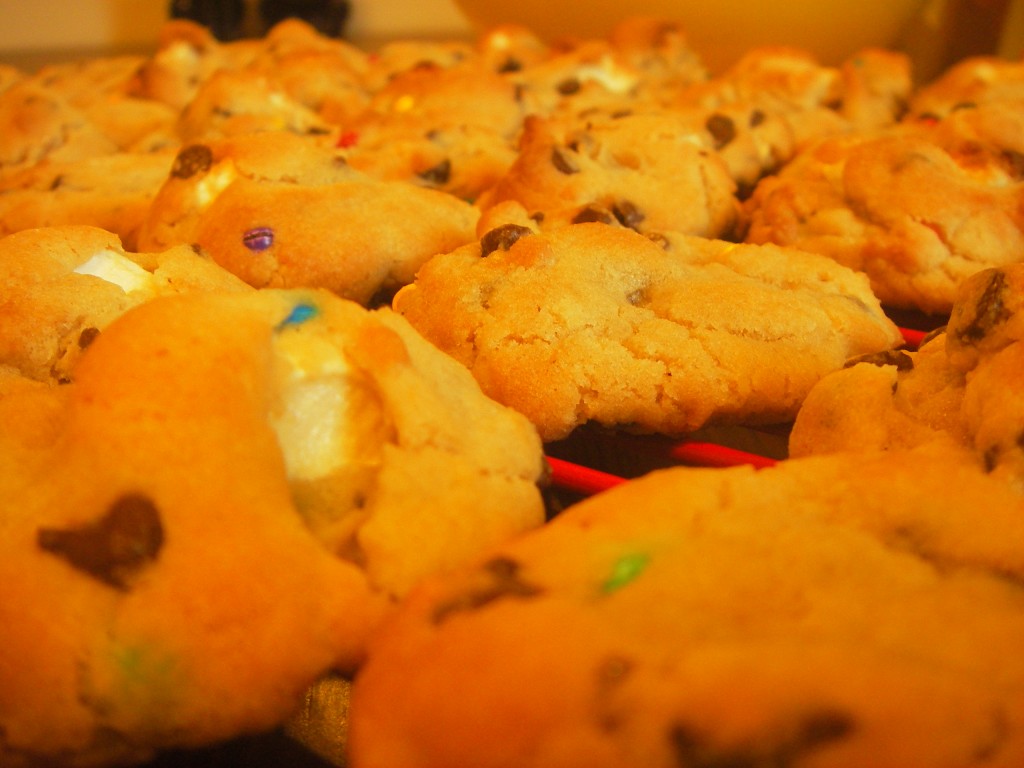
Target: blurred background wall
pixel 31 25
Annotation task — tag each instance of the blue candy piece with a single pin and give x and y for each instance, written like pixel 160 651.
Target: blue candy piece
pixel 300 313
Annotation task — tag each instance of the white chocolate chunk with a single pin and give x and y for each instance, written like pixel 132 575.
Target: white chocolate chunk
pixel 313 424
pixel 117 269
pixel 609 75
pixel 214 182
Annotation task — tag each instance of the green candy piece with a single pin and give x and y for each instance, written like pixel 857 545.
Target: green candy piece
pixel 626 568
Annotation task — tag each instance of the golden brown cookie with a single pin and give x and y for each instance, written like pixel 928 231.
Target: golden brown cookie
pixel 960 388
pixel 108 191
pixel 64 285
pixel 918 207
pixel 837 611
pixel 236 490
pixel 280 210
pixel 595 322
pixel 647 166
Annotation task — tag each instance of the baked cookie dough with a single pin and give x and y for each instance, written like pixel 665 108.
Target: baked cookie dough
pixel 595 322
pixel 646 165
pixel 112 192
pixel 284 211
pixel 64 285
pixel 237 489
pixel 835 611
pixel 918 207
pixel 961 387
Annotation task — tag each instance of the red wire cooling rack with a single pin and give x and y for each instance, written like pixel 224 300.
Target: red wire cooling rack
pixel 586 476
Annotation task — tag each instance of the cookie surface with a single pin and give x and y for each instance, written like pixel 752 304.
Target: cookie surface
pixel 283 211
pixel 596 322
pixel 827 612
pixel 222 504
pixel 959 388
pixel 645 164
pixel 64 285
pixel 112 192
pixel 918 208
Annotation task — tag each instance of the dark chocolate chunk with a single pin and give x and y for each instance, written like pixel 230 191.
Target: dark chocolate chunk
pixel 193 159
pixel 897 357
pixel 504 582
pixel 563 162
pixel 721 128
pixel 756 118
pixel 87 336
pixel 931 335
pixel 569 86
pixel 502 238
pixel 510 65
pixel 695 750
pixel 628 214
pixel 439 174
pixel 1013 161
pixel 659 239
pixel 988 312
pixel 593 213
pixel 115 548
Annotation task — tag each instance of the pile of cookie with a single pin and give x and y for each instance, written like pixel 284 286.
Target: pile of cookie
pixel 287 328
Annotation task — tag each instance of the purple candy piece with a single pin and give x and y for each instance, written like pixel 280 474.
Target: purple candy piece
pixel 258 239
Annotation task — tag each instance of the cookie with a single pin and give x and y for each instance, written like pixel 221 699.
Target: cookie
pixel 645 165
pixel 326 75
pixel 827 611
pixel 37 124
pixel 867 91
pixel 64 285
pixel 967 83
pixel 237 490
pixel 187 54
pixel 230 103
pixel 595 322
pixel 111 192
pixel 959 388
pixel 452 129
pixel 280 210
pixel 101 88
pixel 918 208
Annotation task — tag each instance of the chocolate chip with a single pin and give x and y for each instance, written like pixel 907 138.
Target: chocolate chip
pixel 931 335
pixel 988 312
pixel 563 162
pixel 58 180
pixel 897 357
pixel 695 750
pixel 756 118
pixel 115 548
pixel 502 238
pixel 510 65
pixel 721 128
pixel 628 214
pixel 822 727
pixel 1013 161
pixel 569 87
pixel 439 174
pixel 505 582
pixel 87 336
pixel 659 239
pixel 990 458
pixel 593 214
pixel 193 159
